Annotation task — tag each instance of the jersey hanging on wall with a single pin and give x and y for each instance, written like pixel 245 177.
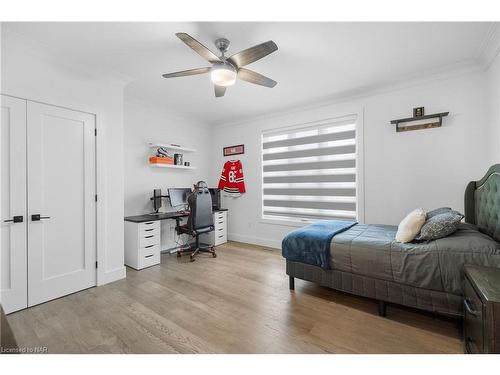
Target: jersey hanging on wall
pixel 231 178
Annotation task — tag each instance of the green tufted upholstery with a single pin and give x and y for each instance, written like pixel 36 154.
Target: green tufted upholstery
pixel 486 210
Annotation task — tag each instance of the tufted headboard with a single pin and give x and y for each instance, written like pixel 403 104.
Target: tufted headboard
pixel 482 203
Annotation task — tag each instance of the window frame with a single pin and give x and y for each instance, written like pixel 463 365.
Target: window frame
pixel 359 158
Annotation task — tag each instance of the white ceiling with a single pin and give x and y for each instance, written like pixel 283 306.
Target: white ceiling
pixel 314 62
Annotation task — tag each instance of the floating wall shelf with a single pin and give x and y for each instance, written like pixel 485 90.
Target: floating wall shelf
pixel 175 149
pixel 426 125
pixel 171 166
pixel 171 147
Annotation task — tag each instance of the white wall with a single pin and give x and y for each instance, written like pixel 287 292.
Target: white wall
pixel 146 122
pixel 492 81
pixel 29 75
pixel 426 168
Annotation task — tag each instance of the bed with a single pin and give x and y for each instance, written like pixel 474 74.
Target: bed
pixel 366 260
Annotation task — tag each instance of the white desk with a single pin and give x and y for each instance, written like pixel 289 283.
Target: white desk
pixel 143 235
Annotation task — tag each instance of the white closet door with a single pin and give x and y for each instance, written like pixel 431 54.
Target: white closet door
pixel 61 189
pixel 13 204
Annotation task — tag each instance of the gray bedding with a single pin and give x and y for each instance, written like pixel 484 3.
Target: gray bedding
pixel 371 250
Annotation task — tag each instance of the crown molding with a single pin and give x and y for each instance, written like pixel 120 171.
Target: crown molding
pixel 414 80
pixel 489 48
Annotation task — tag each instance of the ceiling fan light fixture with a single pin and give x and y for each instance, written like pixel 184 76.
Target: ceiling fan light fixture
pixel 223 75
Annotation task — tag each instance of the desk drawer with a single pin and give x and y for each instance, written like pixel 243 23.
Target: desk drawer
pixel 149 225
pixel 218 231
pixel 147 239
pixel 219 224
pixel 149 259
pixel 473 320
pixel 220 216
pixel 220 239
pixel 153 230
pixel 148 250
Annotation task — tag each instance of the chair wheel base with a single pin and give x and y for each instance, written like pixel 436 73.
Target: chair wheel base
pixel 197 250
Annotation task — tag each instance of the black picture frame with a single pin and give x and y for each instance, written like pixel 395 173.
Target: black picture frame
pixel 418 112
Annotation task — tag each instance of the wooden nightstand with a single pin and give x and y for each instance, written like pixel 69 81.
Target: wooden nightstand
pixel 482 309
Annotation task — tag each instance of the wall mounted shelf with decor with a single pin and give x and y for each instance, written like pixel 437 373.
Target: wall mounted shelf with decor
pixel 167 155
pixel 422 122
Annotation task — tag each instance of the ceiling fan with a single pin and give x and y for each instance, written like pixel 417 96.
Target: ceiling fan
pixel 225 70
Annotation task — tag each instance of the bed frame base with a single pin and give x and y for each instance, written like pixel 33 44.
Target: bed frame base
pixel 383 291
pixel 382 305
pixel 382 308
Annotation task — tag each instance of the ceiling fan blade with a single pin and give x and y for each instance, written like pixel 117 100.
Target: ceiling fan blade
pixel 199 48
pixel 190 72
pixel 219 91
pixel 254 53
pixel 254 77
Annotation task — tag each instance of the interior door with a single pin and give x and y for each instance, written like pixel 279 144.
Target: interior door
pixel 61 203
pixel 13 224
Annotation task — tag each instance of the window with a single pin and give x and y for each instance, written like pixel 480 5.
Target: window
pixel 309 172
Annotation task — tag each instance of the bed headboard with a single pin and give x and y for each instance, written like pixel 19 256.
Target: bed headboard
pixel 482 203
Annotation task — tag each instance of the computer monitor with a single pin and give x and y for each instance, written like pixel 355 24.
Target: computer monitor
pixel 156 199
pixel 216 201
pixel 178 196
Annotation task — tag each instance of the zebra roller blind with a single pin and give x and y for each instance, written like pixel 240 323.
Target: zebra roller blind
pixel 309 173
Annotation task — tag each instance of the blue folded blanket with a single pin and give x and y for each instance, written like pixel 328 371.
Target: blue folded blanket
pixel 311 244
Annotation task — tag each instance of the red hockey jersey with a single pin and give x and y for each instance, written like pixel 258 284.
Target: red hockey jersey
pixel 231 178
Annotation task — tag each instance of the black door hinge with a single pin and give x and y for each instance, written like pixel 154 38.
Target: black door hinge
pixel 95 132
pixel 96 197
pixel 96 264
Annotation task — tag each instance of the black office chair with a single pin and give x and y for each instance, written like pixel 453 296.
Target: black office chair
pixel 200 220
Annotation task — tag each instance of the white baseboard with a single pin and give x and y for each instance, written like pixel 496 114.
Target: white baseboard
pixel 254 240
pixel 112 275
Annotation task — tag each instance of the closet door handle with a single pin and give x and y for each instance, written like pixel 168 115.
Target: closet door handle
pixel 37 217
pixel 15 219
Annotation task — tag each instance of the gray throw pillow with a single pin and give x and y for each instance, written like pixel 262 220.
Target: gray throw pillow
pixel 440 225
pixel 437 211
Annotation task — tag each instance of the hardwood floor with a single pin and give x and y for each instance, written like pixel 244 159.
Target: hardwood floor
pixel 238 302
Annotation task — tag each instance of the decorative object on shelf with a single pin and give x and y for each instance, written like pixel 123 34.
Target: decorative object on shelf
pixel 160 160
pixel 437 117
pixel 178 159
pixel 231 178
pixel 162 152
pixel 234 150
pixel 162 157
pixel 187 164
pixel 418 112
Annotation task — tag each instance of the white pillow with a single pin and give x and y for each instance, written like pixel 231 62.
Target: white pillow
pixel 410 226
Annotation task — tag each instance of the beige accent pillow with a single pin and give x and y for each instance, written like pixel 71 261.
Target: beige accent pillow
pixel 410 226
